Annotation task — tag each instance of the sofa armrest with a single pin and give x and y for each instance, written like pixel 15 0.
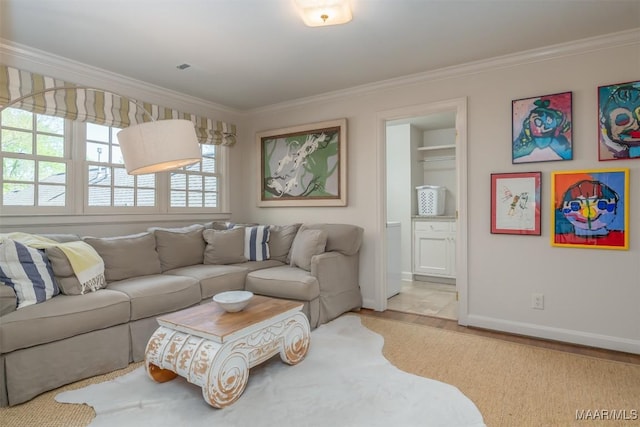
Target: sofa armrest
pixel 338 278
pixel 8 299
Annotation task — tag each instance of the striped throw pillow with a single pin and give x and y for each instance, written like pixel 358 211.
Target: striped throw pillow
pixel 256 243
pixel 28 271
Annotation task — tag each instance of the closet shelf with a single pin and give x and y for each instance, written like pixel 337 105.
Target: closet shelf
pixel 437 147
pixel 437 159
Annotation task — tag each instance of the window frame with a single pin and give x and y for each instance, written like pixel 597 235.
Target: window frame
pixel 220 166
pixel 111 209
pixel 67 159
pixel 77 188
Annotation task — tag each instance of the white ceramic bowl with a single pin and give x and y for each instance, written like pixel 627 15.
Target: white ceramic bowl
pixel 233 301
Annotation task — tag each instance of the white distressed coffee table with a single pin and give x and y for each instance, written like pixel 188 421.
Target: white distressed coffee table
pixel 215 349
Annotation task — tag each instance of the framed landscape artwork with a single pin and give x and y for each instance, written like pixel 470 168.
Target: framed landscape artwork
pixel 619 121
pixel 590 209
pixel 303 165
pixel 541 128
pixel 515 203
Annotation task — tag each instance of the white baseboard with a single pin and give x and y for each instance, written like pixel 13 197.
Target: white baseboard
pixel 407 276
pixel 557 334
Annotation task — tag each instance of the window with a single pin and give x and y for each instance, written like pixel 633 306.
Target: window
pixel 196 186
pixel 35 160
pixel 39 155
pixel 108 183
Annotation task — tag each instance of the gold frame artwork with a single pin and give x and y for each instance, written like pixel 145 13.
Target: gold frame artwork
pixel 303 165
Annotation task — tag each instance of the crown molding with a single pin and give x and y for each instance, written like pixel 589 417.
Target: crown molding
pixel 577 47
pixel 20 56
pixel 38 61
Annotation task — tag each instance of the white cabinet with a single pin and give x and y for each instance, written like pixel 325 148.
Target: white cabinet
pixel 434 247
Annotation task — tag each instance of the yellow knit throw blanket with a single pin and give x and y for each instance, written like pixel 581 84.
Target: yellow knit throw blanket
pixel 87 265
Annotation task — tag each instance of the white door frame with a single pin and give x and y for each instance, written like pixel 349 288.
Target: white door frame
pixel 459 105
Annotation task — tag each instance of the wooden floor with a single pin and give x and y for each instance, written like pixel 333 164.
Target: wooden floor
pixel 452 325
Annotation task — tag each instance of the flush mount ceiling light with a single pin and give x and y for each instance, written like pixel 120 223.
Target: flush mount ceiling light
pixel 318 13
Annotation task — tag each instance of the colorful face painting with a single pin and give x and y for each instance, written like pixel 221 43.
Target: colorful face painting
pixel 619 125
pixel 542 128
pixel 590 209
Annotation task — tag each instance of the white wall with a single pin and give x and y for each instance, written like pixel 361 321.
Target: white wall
pixel 591 296
pixel 443 172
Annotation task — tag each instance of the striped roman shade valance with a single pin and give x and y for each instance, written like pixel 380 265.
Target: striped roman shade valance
pixel 98 106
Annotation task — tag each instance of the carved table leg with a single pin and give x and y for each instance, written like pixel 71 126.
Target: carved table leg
pixel 295 339
pixel 227 376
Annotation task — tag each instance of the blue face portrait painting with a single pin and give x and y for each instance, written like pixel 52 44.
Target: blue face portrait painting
pixel 591 209
pixel 619 121
pixel 544 131
pixel 590 206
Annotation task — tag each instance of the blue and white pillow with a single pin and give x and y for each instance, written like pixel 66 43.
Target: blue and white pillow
pixel 256 243
pixel 28 271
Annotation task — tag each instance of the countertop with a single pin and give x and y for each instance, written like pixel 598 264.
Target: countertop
pixel 433 217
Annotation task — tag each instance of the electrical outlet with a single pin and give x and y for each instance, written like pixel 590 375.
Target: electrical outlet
pixel 537 301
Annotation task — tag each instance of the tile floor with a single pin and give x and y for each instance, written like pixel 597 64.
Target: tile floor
pixel 426 298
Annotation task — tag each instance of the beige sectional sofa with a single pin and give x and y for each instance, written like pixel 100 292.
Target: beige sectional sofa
pixel 75 336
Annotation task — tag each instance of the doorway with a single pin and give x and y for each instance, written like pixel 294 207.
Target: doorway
pixel 448 284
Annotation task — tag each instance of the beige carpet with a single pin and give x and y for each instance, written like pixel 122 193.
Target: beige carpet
pixel 512 384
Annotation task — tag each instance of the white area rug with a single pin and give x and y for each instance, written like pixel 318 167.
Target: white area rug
pixel 343 381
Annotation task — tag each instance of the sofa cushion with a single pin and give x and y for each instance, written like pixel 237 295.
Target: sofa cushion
pixel 224 246
pixel 343 238
pixel 62 317
pixel 218 225
pixel 28 272
pixel 280 240
pixel 8 299
pixel 158 294
pixel 258 265
pixel 66 278
pixel 179 247
pixel 127 256
pixel 214 278
pixel 283 282
pixel 306 244
pixel 62 237
pixel 256 243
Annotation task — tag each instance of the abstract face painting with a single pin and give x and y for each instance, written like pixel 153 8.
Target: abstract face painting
pixel 619 121
pixel 542 128
pixel 591 209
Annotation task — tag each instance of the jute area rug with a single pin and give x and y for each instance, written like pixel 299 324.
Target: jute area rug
pixel 511 384
pixel 515 384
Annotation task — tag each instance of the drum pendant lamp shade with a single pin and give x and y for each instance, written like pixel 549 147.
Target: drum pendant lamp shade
pixel 159 146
